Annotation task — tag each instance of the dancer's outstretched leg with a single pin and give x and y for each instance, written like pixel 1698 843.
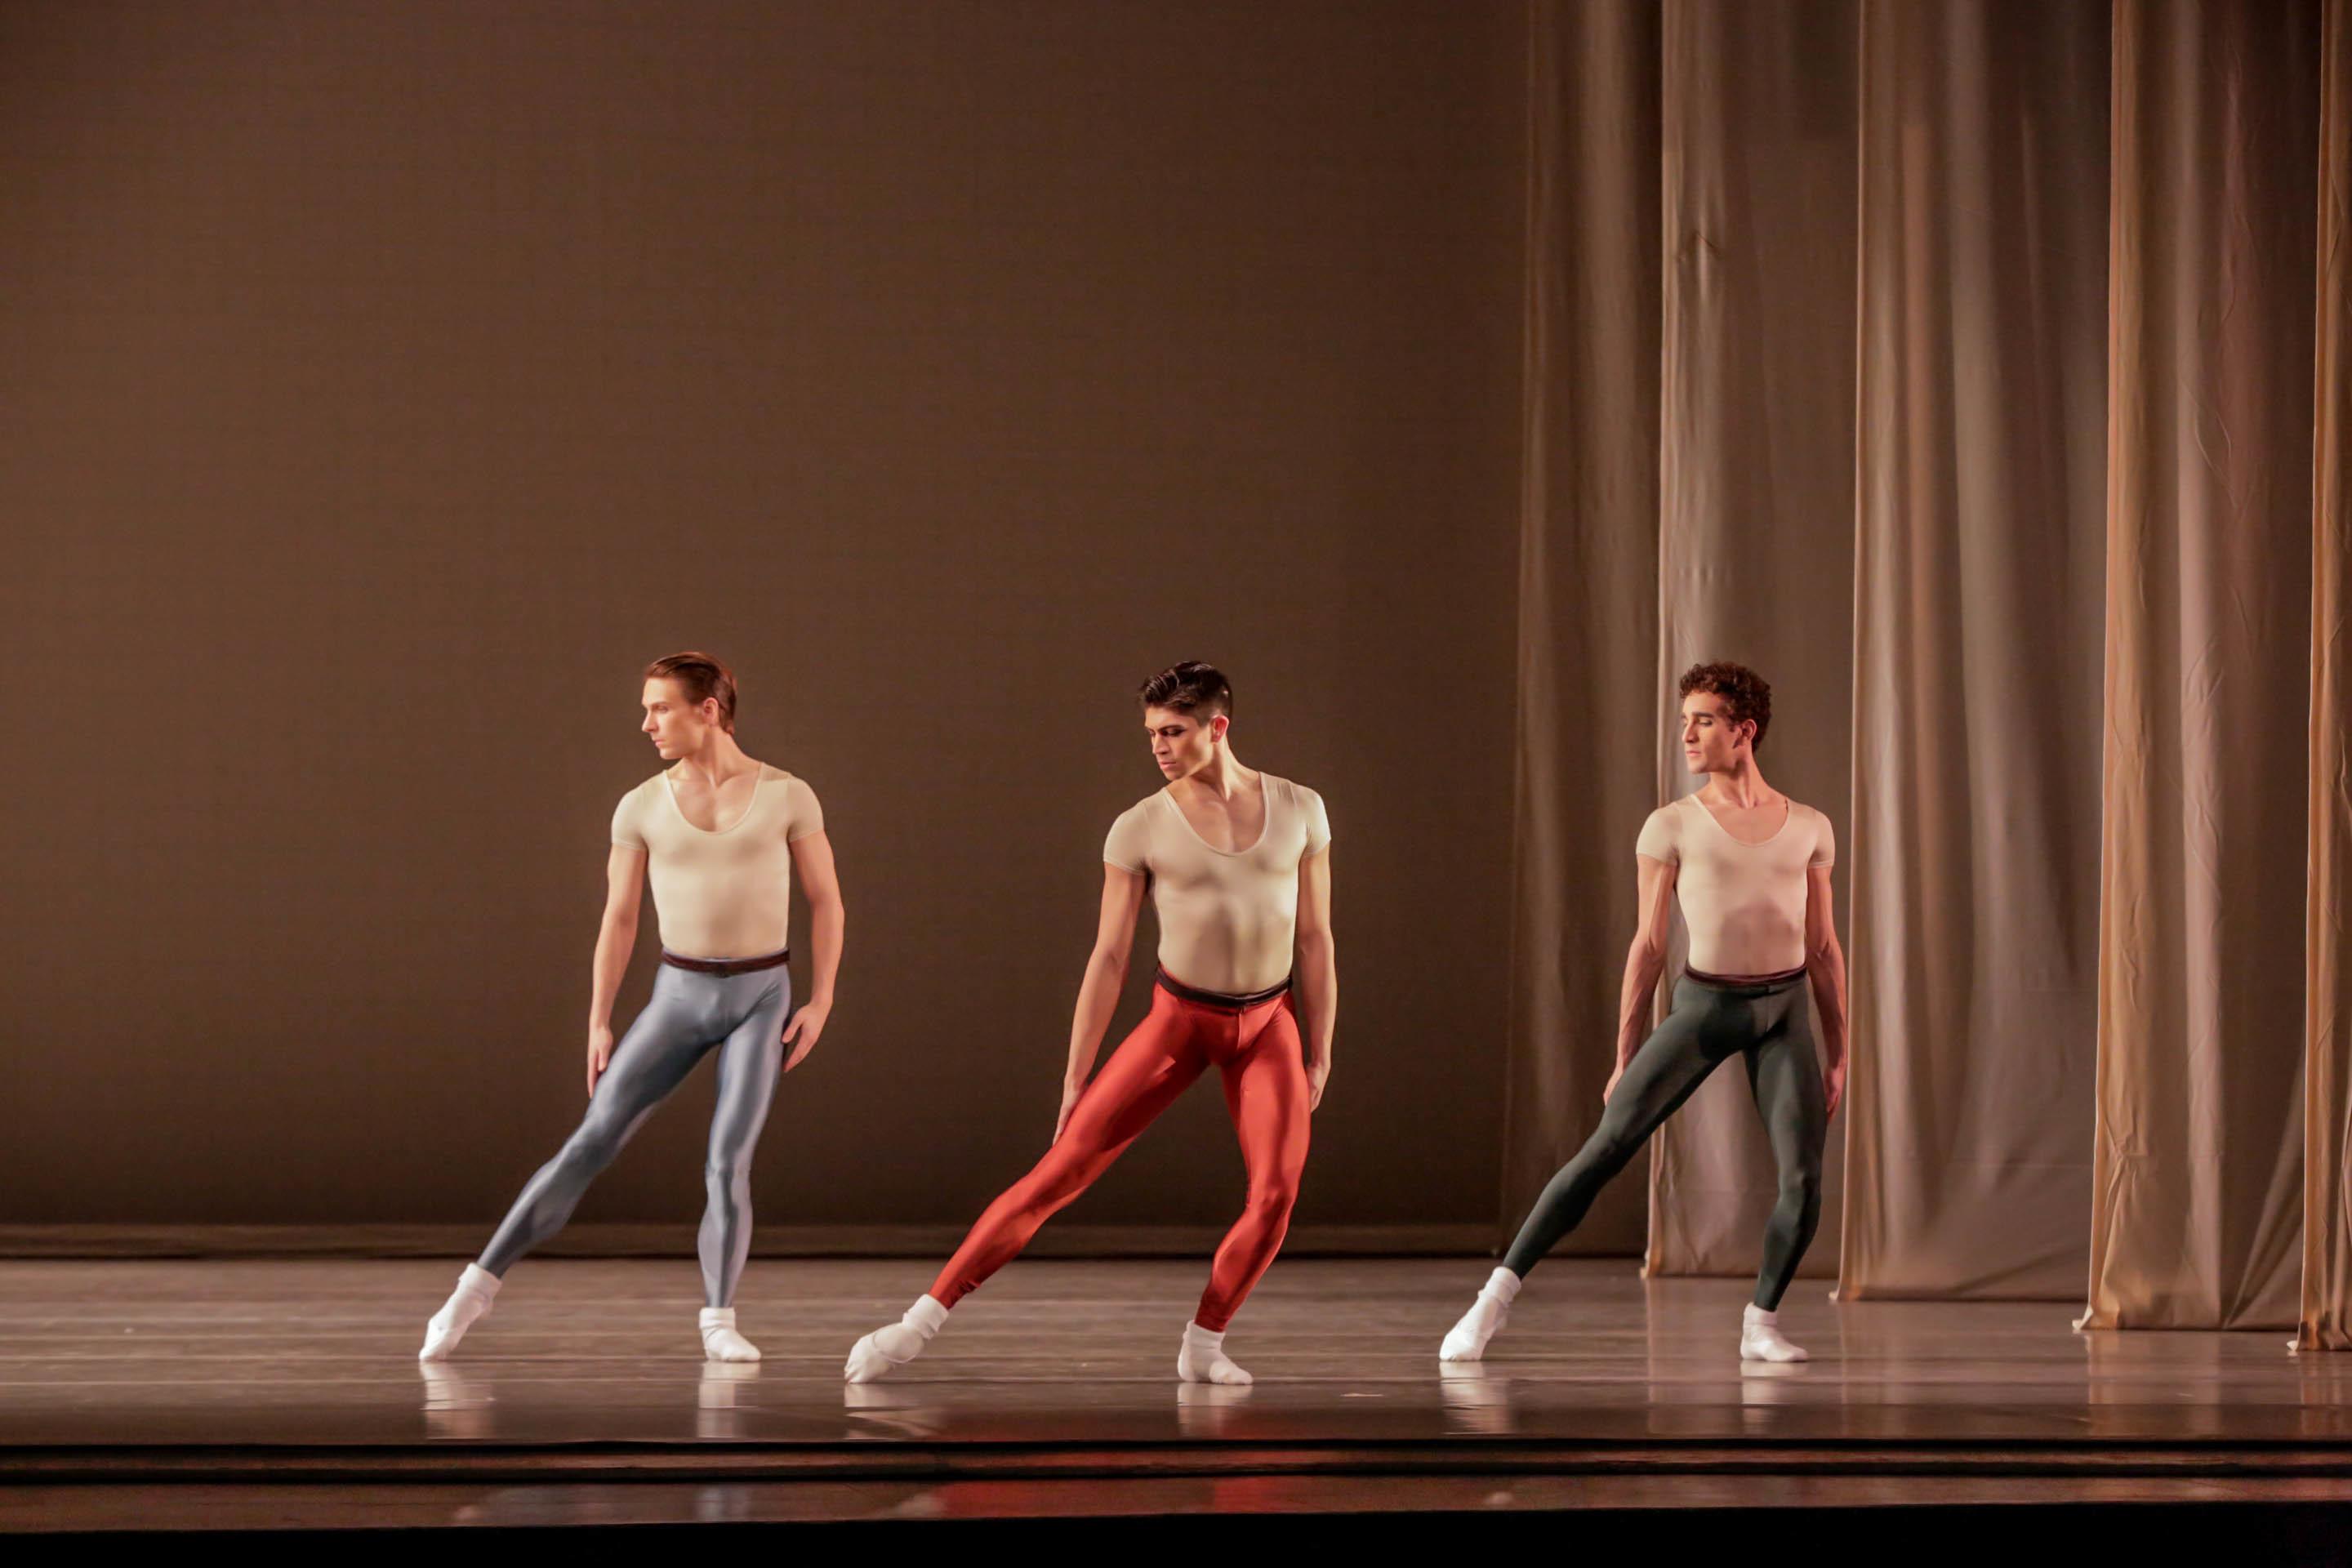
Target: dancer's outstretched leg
pixel 1787 1078
pixel 659 1049
pixel 1156 1062
pixel 750 1062
pixel 1266 1095
pixel 1672 1063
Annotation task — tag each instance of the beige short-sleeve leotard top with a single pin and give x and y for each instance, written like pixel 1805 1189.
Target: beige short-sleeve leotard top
pixel 1744 904
pixel 1228 921
pixel 722 892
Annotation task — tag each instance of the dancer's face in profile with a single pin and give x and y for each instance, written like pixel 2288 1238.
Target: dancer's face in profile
pixel 1712 743
pixel 677 727
pixel 1182 744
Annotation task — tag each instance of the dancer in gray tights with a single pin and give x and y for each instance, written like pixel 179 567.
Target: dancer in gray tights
pixel 719 836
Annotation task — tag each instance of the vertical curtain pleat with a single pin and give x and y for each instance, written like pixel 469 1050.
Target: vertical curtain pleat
pixel 1974 845
pixel 1588 581
pixel 2197 1155
pixel 1755 476
pixel 2327 1047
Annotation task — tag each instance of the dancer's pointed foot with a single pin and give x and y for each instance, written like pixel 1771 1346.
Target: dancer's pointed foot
pixel 1760 1338
pixel 1202 1358
pixel 1467 1340
pixel 476 1287
pixel 894 1344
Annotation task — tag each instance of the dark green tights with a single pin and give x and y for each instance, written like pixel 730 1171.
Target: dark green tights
pixel 1767 1024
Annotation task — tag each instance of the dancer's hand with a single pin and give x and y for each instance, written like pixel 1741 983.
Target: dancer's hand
pixel 1835 1086
pixel 600 1053
pixel 1070 1093
pixel 801 1031
pixel 1610 1087
pixel 1318 1073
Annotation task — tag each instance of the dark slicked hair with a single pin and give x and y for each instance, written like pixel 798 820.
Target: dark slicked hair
pixel 1746 694
pixel 701 676
pixel 1191 688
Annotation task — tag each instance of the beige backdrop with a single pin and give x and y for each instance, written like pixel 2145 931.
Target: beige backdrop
pixel 2197 1195
pixel 1980 557
pixel 383 384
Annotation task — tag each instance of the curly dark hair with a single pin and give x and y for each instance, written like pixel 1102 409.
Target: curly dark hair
pixel 1746 694
pixel 1192 688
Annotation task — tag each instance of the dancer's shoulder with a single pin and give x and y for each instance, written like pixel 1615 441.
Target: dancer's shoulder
pixel 1661 837
pixel 1309 804
pixel 1142 809
pixel 1292 788
pixel 630 817
pixel 770 774
pixel 1824 850
pixel 1128 845
pixel 803 813
pixel 649 790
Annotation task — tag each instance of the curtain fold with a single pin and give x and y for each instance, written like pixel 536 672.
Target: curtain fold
pixel 2328 915
pixel 1756 480
pixel 2197 1155
pixel 1974 844
pixel 1588 583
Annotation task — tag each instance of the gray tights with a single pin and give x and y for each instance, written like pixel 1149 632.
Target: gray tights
pixel 742 1015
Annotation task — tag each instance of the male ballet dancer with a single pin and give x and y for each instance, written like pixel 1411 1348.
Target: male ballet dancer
pixel 1239 867
pixel 718 832
pixel 1751 868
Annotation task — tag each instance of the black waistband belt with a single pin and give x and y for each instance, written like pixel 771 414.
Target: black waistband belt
pixel 1704 978
pixel 725 965
pixel 1226 1000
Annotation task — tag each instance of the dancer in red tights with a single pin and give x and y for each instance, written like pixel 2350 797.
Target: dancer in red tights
pixel 1239 867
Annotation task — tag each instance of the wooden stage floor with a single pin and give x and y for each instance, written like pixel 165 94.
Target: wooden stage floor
pixel 272 1396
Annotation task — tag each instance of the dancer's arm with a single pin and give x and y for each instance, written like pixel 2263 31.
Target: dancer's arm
pixel 1825 967
pixel 1318 969
pixel 616 937
pixel 1644 961
pixel 813 858
pixel 1123 900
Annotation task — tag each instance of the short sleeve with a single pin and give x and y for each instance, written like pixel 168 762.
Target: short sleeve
pixel 1129 841
pixel 1825 843
pixel 1660 836
pixel 1319 822
pixel 628 830
pixel 802 815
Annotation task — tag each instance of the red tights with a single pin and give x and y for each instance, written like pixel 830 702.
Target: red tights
pixel 1257 1051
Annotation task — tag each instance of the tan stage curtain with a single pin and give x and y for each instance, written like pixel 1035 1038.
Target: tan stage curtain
pixel 1974 845
pixel 1588 582
pixel 1756 474
pixel 2197 1158
pixel 2327 915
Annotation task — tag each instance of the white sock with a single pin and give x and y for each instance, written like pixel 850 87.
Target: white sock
pixel 1202 1358
pixel 1760 1338
pixel 477 1287
pixel 894 1344
pixel 1467 1340
pixel 720 1339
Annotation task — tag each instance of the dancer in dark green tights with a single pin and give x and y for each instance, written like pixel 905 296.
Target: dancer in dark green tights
pixel 1750 869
